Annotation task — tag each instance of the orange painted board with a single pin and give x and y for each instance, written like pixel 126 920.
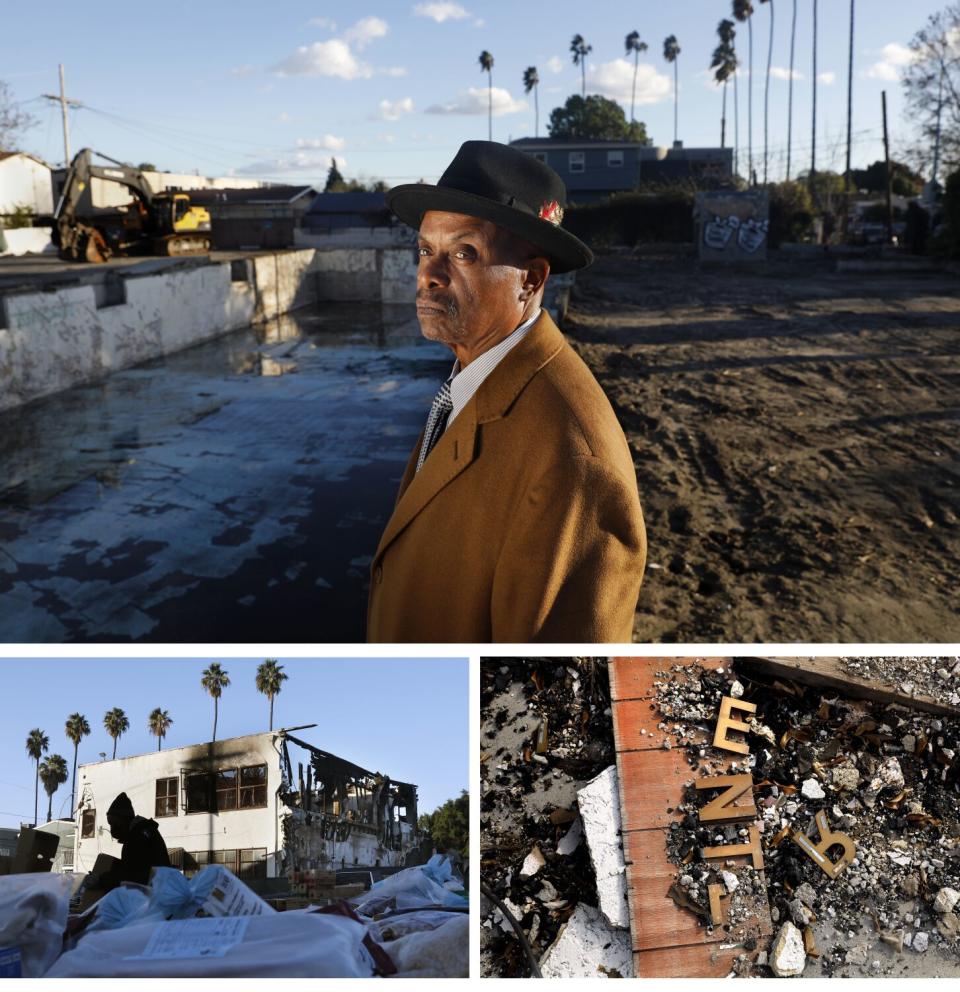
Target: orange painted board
pixel 651 783
pixel 655 919
pixel 633 678
pixel 636 727
pixel 706 961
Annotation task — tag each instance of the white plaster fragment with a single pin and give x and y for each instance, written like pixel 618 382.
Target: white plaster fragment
pixel 533 862
pixel 812 789
pixel 570 841
pixel 788 957
pixel 588 947
pixel 946 899
pixel 599 802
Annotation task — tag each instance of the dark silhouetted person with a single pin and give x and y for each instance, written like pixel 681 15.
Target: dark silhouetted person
pixel 143 847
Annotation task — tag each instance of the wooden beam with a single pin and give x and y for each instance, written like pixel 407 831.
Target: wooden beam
pixel 828 673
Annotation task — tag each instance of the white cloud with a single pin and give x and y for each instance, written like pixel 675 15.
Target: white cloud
pixel 779 73
pixel 895 58
pixel 554 64
pixel 441 11
pixel 323 22
pixel 367 29
pixel 474 101
pixel 283 117
pixel 479 22
pixel 615 79
pixel 243 70
pixel 396 70
pixel 827 78
pixel 393 110
pixel 329 142
pixel 305 164
pixel 324 58
pixel 387 137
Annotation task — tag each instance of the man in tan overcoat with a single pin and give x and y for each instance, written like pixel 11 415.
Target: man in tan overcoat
pixel 518 517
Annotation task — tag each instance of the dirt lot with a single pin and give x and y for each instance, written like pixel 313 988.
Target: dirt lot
pixel 795 433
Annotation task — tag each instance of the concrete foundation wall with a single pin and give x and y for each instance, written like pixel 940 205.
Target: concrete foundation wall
pixel 56 338
pixel 27 240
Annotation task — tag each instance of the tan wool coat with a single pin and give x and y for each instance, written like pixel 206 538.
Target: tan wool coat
pixel 524 523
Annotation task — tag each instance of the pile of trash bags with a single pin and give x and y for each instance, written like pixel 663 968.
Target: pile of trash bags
pixel 414 923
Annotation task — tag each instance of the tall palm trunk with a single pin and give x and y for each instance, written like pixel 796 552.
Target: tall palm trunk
pixel 846 171
pixel 271 712
pixel 215 701
pixel 50 808
pixel 114 758
pixel 750 100
pixel 793 40
pixel 813 118
pixel 676 98
pixel 490 108
pixel 736 125
pixel 633 92
pixel 536 111
pixel 36 793
pixel 583 77
pixel 73 784
pixel 723 118
pixel 766 100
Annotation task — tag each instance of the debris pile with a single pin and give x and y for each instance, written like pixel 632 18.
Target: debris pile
pixel 546 738
pixel 413 923
pixel 857 819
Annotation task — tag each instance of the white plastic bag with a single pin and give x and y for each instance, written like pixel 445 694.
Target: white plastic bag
pixel 33 917
pixel 279 945
pixel 120 907
pixel 424 885
pixel 443 952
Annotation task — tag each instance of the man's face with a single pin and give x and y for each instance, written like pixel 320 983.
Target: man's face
pixel 119 826
pixel 470 279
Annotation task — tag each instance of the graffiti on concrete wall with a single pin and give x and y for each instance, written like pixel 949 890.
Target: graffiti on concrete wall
pixel 733 226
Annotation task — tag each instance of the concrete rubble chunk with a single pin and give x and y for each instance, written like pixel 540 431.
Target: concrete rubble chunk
pixel 801 915
pixel 730 881
pixel 946 899
pixel 812 789
pixel 889 777
pixel 570 841
pixel 806 893
pixel 921 941
pixel 588 947
pixel 533 862
pixel 788 957
pixel 599 802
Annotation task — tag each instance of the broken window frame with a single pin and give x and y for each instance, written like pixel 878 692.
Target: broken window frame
pixel 165 804
pixel 88 824
pixel 206 791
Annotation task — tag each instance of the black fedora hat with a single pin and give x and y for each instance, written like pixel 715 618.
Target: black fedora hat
pixel 506 186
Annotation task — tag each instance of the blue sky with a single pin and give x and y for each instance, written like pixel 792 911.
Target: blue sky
pixel 393 88
pixel 406 717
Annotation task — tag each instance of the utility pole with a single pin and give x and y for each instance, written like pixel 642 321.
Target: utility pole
pixel 846 173
pixel 886 157
pixel 64 104
pixel 813 124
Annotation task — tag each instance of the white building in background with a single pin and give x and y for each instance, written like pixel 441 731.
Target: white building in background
pixel 262 805
pixel 24 182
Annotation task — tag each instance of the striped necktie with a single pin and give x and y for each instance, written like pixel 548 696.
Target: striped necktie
pixel 436 422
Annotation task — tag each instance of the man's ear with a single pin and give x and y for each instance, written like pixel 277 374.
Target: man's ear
pixel 534 278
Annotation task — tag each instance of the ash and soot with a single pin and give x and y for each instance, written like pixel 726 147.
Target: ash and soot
pixel 883 776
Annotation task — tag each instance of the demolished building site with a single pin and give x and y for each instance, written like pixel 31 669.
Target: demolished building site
pixel 764 817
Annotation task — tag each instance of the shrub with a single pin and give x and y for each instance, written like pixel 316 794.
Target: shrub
pixel 791 212
pixel 635 218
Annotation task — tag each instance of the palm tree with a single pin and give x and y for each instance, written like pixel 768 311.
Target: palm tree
pixel 159 722
pixel 53 773
pixel 632 43
pixel 813 119
pixel 270 676
pixel 580 51
pixel 37 745
pixel 77 728
pixel 793 40
pixel 486 65
pixel 531 80
pixel 725 63
pixel 742 11
pixel 215 680
pixel 671 49
pixel 116 724
pixel 766 95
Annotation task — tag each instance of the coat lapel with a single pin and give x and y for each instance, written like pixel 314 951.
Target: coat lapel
pixel 457 448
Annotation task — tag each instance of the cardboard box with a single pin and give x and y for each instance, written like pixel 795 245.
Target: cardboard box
pixel 36 850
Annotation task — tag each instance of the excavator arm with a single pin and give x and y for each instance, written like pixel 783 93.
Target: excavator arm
pixel 75 238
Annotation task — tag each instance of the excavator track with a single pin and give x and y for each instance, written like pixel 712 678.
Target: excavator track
pixel 182 244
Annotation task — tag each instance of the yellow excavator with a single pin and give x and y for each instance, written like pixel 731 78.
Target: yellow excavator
pixel 151 224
